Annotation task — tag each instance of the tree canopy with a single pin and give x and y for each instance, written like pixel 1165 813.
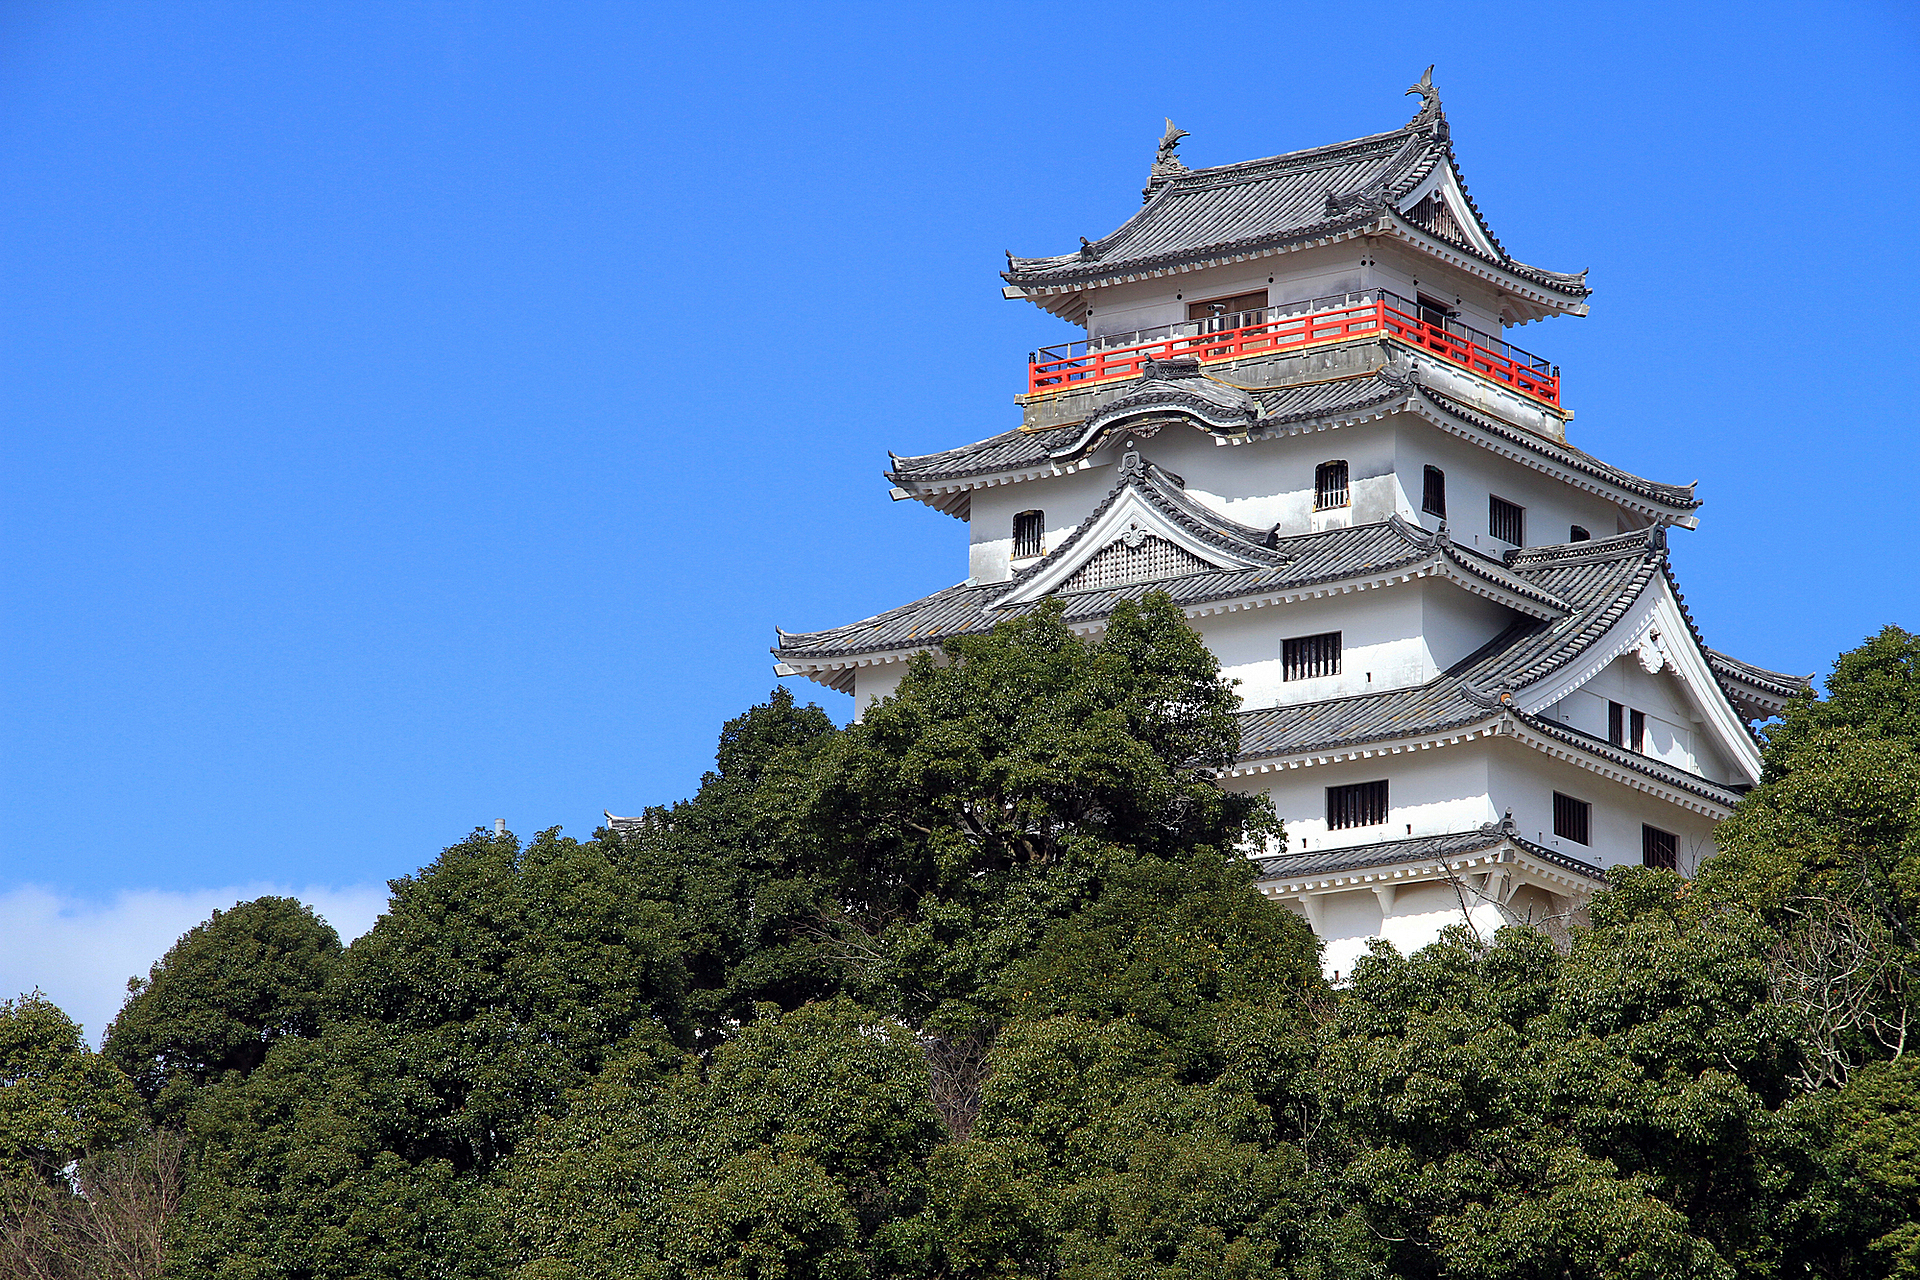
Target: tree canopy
pixel 979 985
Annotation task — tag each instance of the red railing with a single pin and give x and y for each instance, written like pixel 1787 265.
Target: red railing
pixel 1251 333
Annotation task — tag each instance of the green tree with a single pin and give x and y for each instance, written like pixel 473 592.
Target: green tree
pixel 221 997
pixel 794 1153
pixel 499 978
pixel 937 840
pixel 58 1102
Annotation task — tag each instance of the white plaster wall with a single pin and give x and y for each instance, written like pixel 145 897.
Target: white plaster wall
pixel 1524 781
pixel 1455 623
pixel 1065 500
pixel 1380 642
pixel 1293 277
pixel 870 684
pixel 1270 482
pixel 1473 474
pixel 1435 792
pixel 1675 732
pixel 1349 922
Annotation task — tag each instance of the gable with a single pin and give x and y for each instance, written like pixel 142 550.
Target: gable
pixel 1147 538
pixel 1439 205
pixel 1134 556
pixel 1657 637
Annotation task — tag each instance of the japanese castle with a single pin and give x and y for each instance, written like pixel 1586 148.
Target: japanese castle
pixel 1469 681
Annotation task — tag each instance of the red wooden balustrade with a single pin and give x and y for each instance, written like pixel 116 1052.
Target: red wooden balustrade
pixel 1079 364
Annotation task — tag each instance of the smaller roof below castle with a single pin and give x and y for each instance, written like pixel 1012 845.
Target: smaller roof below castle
pixel 1418 849
pixel 1198 217
pixel 1254 413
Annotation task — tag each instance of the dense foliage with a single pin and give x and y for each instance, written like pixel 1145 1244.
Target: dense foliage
pixel 980 986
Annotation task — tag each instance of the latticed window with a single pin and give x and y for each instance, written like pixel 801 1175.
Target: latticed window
pixel 1362 804
pixel 1659 848
pixel 1433 494
pixel 1506 521
pixel 1617 724
pixel 1330 485
pixel 1572 819
pixel 1134 557
pixel 1309 657
pixel 1029 529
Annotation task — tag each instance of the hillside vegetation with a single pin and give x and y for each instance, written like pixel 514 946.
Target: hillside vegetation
pixel 981 987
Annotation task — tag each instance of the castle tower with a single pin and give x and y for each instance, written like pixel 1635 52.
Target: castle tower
pixel 1468 679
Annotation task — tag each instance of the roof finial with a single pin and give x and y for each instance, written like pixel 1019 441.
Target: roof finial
pixel 1430 102
pixel 1166 159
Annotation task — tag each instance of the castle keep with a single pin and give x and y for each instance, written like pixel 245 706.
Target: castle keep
pixel 1468 679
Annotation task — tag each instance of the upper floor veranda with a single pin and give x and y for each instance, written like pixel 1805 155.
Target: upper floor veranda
pixel 1363 241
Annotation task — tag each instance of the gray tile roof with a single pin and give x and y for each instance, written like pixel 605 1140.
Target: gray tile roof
pixel 1598 580
pixel 1774 682
pixel 1206 214
pixel 1678 496
pixel 1277 564
pixel 1316 862
pixel 1280 407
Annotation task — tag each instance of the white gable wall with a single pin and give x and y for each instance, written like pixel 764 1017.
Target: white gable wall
pixel 1676 734
pixel 1524 780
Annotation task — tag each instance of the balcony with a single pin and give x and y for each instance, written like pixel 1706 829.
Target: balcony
pixel 1298 324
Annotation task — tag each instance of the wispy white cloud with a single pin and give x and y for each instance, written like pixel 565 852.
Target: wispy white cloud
pixel 81 952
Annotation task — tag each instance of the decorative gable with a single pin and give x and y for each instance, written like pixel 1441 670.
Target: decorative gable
pixel 1135 556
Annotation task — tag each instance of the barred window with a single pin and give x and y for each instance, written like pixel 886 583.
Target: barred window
pixel 1308 657
pixel 1363 804
pixel 1029 527
pixel 1572 819
pixel 1330 485
pixel 1433 494
pixel 1616 724
pixel 1506 521
pixel 1578 534
pixel 1659 848
pixel 1637 731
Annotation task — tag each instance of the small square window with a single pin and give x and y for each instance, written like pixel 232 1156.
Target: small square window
pixel 1578 534
pixel 1659 848
pixel 1329 485
pixel 1572 819
pixel 1310 657
pixel 1433 493
pixel 1507 521
pixel 1362 804
pixel 1029 531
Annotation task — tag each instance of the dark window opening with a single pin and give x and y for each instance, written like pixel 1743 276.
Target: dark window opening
pixel 1616 724
pixel 1227 311
pixel 1329 485
pixel 1433 495
pixel 1659 848
pixel 1308 657
pixel 1435 312
pixel 1572 819
pixel 1029 528
pixel 1506 521
pixel 1637 731
pixel 1577 534
pixel 1363 804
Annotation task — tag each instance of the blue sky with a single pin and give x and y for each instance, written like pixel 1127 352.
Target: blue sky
pixel 422 414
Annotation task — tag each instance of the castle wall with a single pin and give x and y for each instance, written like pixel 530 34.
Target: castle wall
pixel 1524 780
